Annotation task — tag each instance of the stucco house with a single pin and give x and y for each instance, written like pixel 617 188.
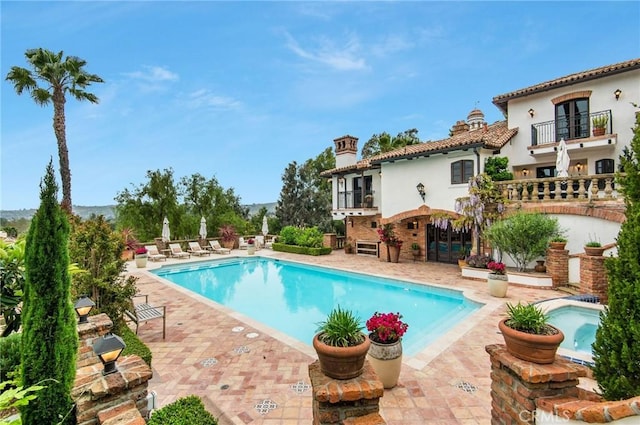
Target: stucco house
pixel 412 185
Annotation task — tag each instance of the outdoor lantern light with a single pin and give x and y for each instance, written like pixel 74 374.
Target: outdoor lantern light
pixel 578 167
pixel 108 349
pixel 617 93
pixel 531 112
pixel 525 172
pixel 83 306
pixel 421 191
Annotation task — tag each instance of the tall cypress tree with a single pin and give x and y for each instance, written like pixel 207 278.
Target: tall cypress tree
pixel 616 350
pixel 49 338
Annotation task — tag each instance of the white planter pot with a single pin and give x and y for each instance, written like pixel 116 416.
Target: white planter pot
pixel 386 360
pixel 498 285
pixel 251 249
pixel 141 261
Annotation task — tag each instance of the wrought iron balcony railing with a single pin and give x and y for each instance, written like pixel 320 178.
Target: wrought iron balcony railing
pixel 580 127
pixel 355 199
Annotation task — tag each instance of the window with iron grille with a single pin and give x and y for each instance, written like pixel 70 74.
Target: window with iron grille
pixel 461 171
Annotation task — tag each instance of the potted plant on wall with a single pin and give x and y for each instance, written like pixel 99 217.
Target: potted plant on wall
pixel 557 242
pixel 341 345
pixel 385 354
pixel 527 334
pixel 593 247
pixel 497 279
pixel 599 124
pixel 415 249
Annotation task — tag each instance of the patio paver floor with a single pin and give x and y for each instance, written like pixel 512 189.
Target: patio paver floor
pixel 245 375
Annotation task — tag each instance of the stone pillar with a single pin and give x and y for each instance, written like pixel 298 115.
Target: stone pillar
pixel 96 327
pixel 593 276
pixel 120 395
pixel 558 266
pixel 516 385
pixel 350 401
pixel 330 239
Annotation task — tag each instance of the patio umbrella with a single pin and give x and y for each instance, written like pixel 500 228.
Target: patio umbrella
pixel 562 160
pixel 265 226
pixel 203 228
pixel 166 233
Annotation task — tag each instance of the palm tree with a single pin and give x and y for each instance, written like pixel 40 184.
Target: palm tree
pixel 59 78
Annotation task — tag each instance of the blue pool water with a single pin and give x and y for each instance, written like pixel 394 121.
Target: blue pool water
pixel 293 298
pixel 579 325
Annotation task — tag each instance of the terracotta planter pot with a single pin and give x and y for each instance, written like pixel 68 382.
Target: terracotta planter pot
pixel 394 254
pixel 498 285
pixel 595 251
pixel 557 245
pixel 386 360
pixel 539 349
pixel 598 131
pixel 341 362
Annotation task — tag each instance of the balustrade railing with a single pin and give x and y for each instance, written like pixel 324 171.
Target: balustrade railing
pixel 597 187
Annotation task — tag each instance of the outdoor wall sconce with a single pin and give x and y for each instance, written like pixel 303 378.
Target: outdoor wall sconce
pixel 415 224
pixel 531 112
pixel 617 93
pixel 351 222
pixel 579 167
pixel 525 172
pixel 108 349
pixel 421 191
pixel 82 307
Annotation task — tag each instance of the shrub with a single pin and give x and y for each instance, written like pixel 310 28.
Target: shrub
pixel 616 349
pixel 478 261
pixel 134 344
pixel 523 236
pixel 295 249
pixel 310 237
pixel 341 329
pixel 184 411
pixel 528 318
pixel 9 356
pixel 289 235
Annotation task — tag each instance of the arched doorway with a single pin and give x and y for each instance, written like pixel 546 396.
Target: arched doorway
pixel 445 245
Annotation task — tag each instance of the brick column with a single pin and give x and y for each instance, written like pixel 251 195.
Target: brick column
pixel 517 384
pixel 593 276
pixel 119 397
pixel 350 401
pixel 330 239
pixel 558 266
pixel 96 327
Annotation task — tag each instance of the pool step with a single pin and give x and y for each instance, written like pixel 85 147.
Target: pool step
pixel 572 289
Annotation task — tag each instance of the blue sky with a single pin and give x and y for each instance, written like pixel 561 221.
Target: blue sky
pixel 237 90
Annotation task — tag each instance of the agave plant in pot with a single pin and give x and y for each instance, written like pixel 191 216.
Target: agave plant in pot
pixel 527 334
pixel 341 345
pixel 385 354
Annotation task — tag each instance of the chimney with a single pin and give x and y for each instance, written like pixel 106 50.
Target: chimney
pixel 459 127
pixel 346 151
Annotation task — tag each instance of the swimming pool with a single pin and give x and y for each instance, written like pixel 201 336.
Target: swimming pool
pixel 293 297
pixel 579 322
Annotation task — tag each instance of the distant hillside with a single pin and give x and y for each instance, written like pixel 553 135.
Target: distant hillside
pixel 108 211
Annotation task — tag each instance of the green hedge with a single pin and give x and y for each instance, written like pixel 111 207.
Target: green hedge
pixel 9 356
pixel 134 345
pixel 295 249
pixel 185 411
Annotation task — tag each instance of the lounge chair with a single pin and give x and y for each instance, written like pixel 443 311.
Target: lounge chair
pixel 176 251
pixel 259 242
pixel 196 249
pixel 154 254
pixel 218 249
pixel 269 244
pixel 242 244
pixel 140 313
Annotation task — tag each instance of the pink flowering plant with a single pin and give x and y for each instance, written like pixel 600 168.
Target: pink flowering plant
pixel 251 241
pixel 386 328
pixel 497 267
pixel 388 236
pixel 141 250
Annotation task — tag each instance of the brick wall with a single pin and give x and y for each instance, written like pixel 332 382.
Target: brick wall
pixel 593 276
pixel 558 266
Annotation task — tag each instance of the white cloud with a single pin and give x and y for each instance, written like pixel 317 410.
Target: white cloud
pixel 153 74
pixel 347 57
pixel 205 98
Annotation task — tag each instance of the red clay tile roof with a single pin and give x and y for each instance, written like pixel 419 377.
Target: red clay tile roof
pixel 493 136
pixel 501 100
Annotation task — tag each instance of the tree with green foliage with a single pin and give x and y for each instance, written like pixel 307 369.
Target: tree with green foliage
pixel 59 77
pixel 11 283
pixel 523 236
pixel 497 167
pixel 49 336
pixel 305 198
pixel 96 248
pixel 143 208
pixel 384 142
pixel 616 349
